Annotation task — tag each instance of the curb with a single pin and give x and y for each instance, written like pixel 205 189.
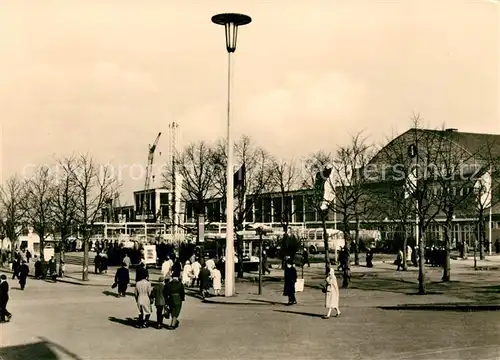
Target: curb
pixel 444 307
pixel 242 301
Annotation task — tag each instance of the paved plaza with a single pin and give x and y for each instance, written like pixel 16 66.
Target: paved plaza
pixel 382 318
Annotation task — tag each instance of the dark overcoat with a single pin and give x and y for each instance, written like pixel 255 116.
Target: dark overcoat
pixel 290 279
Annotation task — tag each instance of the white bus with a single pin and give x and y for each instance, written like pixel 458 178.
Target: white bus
pixel 314 243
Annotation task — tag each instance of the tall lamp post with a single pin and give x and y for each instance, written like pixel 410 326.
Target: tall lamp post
pixel 231 23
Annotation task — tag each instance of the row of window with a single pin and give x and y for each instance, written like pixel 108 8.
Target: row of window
pixel 297 208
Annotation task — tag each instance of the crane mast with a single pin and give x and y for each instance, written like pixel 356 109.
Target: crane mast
pixel 149 169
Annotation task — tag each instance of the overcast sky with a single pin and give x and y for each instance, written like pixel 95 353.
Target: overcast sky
pixel 106 76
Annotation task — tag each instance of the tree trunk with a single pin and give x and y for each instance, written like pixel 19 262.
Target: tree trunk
pixel 345 272
pixel 405 244
pixel 481 236
pixel 421 261
pixel 447 238
pixel 325 240
pixel 85 268
pixel 239 250
pixel 356 244
pixel 42 246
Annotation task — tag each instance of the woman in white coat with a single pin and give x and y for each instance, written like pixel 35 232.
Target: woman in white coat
pixel 331 294
pixel 216 281
pixel 187 274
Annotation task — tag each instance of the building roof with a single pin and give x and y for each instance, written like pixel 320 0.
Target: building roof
pixel 473 142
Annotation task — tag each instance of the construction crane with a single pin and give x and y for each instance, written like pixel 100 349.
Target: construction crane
pixel 149 170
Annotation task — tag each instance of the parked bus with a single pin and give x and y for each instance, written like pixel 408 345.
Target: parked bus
pixel 314 243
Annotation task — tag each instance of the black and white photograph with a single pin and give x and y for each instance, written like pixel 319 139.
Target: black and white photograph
pixel 249 179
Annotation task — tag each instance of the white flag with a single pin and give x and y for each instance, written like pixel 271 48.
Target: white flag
pixel 329 193
pixel 411 183
pixel 483 188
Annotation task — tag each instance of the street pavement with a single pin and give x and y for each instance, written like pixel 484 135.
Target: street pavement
pixel 68 320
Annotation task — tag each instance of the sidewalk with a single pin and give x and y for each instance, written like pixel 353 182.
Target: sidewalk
pixel 383 286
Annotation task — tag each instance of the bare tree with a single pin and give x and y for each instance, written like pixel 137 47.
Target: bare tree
pixel 95 184
pixel 390 199
pixel 64 208
pixel 11 197
pixel 412 159
pixel 285 177
pixel 195 165
pixel 348 182
pixel 486 189
pixel 455 178
pixel 37 204
pixel 318 168
pixel 254 162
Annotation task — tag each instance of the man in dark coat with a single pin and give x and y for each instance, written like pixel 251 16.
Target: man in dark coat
pixel 204 281
pixel 5 315
pixel 23 274
pixel 38 268
pixel 174 296
pixel 369 258
pixel 141 272
pixel 122 279
pixel 290 280
pixel 15 266
pixel 97 263
pixel 158 296
pixel 53 269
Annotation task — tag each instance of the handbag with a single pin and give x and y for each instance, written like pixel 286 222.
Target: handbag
pixel 166 314
pixel 114 285
pixel 323 290
pixel 299 285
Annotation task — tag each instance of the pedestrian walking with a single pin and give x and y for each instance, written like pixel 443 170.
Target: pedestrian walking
pixel 290 280
pixel 15 266
pixel 142 298
pixel 23 274
pixel 5 315
pixel 141 272
pixel 187 274
pixel 97 263
pixel 265 265
pixel 331 291
pixel 62 268
pixel 38 268
pixel 305 258
pixel 204 281
pixel 126 261
pixel 369 258
pixel 122 279
pixel 175 296
pixel 399 260
pixel 166 267
pixel 216 281
pixel 157 295
pixel 53 269
pixel 196 266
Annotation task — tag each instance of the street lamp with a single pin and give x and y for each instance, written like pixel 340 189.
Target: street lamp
pixel 231 23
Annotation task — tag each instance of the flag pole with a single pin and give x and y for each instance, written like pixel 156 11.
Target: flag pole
pixel 490 213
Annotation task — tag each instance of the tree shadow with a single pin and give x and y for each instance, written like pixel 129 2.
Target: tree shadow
pixel 300 313
pixel 42 350
pixel 444 307
pixel 268 302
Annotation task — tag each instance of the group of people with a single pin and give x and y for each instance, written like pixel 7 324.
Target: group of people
pixel 196 273
pixel 167 294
